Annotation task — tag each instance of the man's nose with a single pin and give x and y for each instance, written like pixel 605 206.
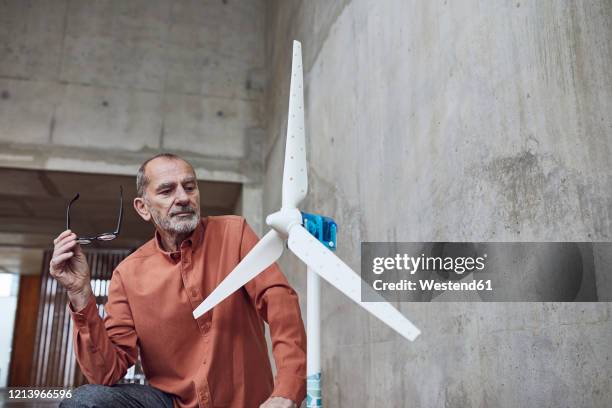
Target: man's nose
pixel 181 196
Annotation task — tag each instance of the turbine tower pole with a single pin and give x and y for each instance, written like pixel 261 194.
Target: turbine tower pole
pixel 313 348
pixel 324 229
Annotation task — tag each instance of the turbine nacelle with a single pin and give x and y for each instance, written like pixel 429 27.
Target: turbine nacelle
pixel 283 220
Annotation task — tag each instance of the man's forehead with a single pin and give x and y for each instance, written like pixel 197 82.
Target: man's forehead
pixel 161 170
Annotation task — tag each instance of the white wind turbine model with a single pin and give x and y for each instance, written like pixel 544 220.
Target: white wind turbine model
pixel 287 224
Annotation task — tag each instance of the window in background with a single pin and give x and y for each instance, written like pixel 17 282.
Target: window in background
pixel 9 288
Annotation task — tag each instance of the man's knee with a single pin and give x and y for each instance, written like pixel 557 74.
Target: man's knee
pixel 88 396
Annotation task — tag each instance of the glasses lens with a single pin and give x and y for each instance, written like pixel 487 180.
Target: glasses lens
pixel 107 237
pixel 83 241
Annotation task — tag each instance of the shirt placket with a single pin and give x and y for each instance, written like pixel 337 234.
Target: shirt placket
pixel 190 283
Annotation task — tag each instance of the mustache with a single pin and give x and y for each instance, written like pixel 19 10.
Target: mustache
pixel 180 210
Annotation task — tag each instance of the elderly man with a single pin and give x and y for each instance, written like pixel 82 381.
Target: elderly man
pixel 218 360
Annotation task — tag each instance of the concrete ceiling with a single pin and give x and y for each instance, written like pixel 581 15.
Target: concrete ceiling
pixel 33 206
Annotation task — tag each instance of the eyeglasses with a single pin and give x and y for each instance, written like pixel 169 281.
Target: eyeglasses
pixel 106 236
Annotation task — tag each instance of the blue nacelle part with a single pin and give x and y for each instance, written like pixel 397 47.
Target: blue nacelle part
pixel 322 228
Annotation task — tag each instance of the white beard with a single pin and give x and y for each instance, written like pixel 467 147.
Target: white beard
pixel 176 224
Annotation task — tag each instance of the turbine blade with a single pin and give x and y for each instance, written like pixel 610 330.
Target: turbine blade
pixel 263 254
pixel 295 178
pixel 333 270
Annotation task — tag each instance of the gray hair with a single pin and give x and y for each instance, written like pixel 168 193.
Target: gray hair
pixel 141 179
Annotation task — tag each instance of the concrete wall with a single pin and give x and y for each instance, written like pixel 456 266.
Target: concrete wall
pixel 459 120
pixel 97 86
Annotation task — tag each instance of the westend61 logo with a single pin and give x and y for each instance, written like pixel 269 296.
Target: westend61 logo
pixel 411 264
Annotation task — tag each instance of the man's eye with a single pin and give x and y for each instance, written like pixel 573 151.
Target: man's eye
pixel 164 192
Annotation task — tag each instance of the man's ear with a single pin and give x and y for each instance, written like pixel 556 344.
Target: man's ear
pixel 141 209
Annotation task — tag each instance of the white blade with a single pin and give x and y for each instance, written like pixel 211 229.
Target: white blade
pixel 295 179
pixel 264 254
pixel 332 269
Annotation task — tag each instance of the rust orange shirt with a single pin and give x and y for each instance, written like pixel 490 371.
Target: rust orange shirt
pixel 220 359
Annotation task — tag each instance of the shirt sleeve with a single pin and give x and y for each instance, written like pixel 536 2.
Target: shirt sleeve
pixel 277 303
pixel 105 349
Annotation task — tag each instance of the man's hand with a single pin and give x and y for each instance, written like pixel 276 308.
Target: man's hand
pixel 278 402
pixel 69 267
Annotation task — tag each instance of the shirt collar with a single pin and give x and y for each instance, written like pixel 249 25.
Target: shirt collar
pixel 194 240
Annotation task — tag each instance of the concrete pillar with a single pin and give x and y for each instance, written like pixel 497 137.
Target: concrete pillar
pixel 250 206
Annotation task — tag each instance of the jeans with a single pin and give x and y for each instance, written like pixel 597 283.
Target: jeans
pixel 119 395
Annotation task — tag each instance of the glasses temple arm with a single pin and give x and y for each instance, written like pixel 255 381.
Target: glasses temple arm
pixel 76 197
pixel 120 210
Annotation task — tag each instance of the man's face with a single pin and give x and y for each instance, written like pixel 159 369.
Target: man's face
pixel 172 196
